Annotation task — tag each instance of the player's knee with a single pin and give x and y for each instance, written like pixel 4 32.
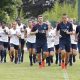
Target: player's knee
pixel 74 52
pixel 51 53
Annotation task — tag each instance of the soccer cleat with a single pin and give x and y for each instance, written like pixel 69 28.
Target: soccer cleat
pixel 31 64
pixel 40 66
pixel 62 65
pixel 59 64
pixel 43 63
pixel 65 66
pixel 56 62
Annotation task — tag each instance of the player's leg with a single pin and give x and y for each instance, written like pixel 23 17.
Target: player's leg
pixel 59 57
pixel 70 56
pixel 22 49
pixel 29 46
pixel 38 56
pixel 5 50
pixel 68 52
pixel 48 58
pixel 45 53
pixel 51 54
pixel 34 52
pixel 1 51
pixel 74 52
pixel 9 49
pixel 12 52
pixel 56 53
pixel 16 47
pixel 63 53
pixel 79 49
pixel 19 51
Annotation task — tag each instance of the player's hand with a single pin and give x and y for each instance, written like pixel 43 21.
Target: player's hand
pixel 76 40
pixel 67 32
pixel 4 30
pixel 37 31
pixel 22 30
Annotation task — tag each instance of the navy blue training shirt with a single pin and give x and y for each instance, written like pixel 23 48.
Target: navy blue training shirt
pixel 78 32
pixel 64 27
pixel 41 35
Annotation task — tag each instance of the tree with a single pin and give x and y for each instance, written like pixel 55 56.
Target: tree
pixel 9 9
pixel 36 7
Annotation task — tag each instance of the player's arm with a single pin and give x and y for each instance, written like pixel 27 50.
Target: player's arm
pixel 6 31
pixel 58 29
pixel 34 31
pixel 77 33
pixel 70 30
pixel 25 33
pixel 18 35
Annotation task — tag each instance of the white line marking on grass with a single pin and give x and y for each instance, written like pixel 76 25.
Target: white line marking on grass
pixel 66 77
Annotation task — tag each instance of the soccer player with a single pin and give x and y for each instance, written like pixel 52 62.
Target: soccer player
pixel 78 38
pixel 65 29
pixel 14 42
pixel 5 32
pixel 40 29
pixel 1 43
pixel 21 27
pixel 50 43
pixel 73 45
pixel 57 50
pixel 30 42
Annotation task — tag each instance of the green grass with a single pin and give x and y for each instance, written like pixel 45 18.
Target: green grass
pixel 11 71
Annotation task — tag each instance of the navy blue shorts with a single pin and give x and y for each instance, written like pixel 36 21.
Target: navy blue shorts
pixel 50 49
pixel 41 47
pixel 5 44
pixel 16 47
pixel 22 42
pixel 73 46
pixel 79 47
pixel 65 45
pixel 57 47
pixel 30 45
pixel 1 43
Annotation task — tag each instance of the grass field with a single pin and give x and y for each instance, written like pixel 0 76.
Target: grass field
pixel 11 71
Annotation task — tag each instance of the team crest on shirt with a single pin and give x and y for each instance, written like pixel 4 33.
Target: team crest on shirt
pixel 67 27
pixel 45 27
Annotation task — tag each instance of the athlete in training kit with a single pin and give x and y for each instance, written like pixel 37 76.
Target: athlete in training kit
pixel 65 29
pixel 73 45
pixel 57 50
pixel 30 42
pixel 14 34
pixel 50 43
pixel 40 30
pixel 21 27
pixel 78 38
pixel 4 36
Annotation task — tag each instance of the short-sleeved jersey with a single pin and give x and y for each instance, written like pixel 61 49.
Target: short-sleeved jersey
pixel 21 27
pixel 14 39
pixel 64 27
pixel 41 35
pixel 73 36
pixel 50 38
pixel 30 38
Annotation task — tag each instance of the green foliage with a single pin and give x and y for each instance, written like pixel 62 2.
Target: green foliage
pixel 9 10
pixel 58 10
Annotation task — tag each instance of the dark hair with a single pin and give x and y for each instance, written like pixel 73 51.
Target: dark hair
pixel 18 19
pixel 40 16
pixel 65 14
pixel 29 20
